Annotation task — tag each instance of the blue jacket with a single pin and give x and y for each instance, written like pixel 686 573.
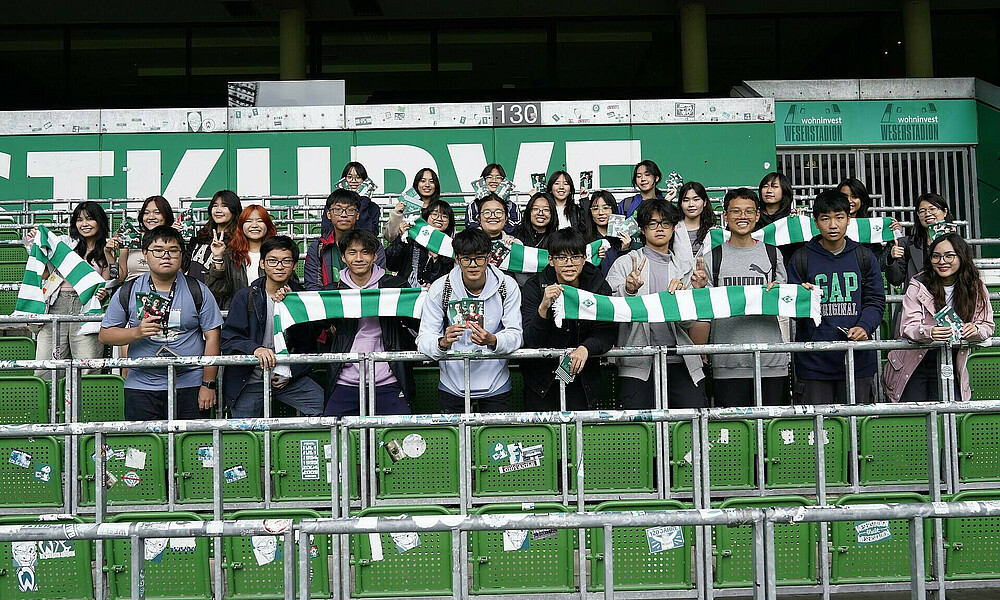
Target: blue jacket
pixel 850 299
pixel 243 332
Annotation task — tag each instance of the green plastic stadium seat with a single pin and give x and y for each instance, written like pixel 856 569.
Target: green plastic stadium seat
pixel 423 570
pixel 16 348
pixel 635 567
pixel 874 561
pixel 893 449
pixel 8 300
pixel 546 565
pixel 179 571
pixel 794 544
pixel 241 460
pixel 431 472
pixel 102 398
pixel 23 400
pixel 790 459
pixel 979 447
pixel 11 272
pixel 20 460
pixel 973 548
pixel 246 579
pixel 13 254
pixel 541 479
pixel 984 372
pixel 617 457
pixel 132 485
pixel 63 569
pixel 291 483
pixel 731 456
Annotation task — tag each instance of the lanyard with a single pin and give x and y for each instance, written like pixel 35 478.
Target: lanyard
pixel 165 320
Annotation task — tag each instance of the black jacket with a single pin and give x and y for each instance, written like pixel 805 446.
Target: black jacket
pixel 243 332
pixel 396 337
pixel 225 282
pixel 399 258
pixel 597 336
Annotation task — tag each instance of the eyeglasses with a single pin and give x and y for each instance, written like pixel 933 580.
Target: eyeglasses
pixel 492 213
pixel 540 211
pixel 742 213
pixel 563 259
pixel 494 178
pixel 274 262
pixel 159 253
pixel 923 212
pixel 600 208
pixel 353 177
pixel 468 261
pixel 660 225
pixel 350 212
pixel 437 215
pixel 946 257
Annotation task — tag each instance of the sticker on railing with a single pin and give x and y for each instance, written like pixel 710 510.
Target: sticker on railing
pixel 25 558
pixel 265 549
pixel 663 538
pixel 543 534
pixel 499 452
pixel 50 549
pixel 723 436
pixel 414 445
pixel 405 541
pixel 788 437
pixel 118 454
pixel 395 450
pixel 516 539
pixel 522 458
pixel 131 479
pixel 42 472
pixel 206 455
pixel 20 458
pixel 235 473
pixel 183 544
pixel 110 479
pixel 872 532
pixel 154 548
pixel 309 459
pixel 812 437
pixel 135 459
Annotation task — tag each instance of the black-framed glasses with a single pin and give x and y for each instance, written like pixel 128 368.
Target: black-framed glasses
pixel 492 213
pixel 946 257
pixel 741 213
pixel 660 225
pixel 349 212
pixel 468 261
pixel 169 253
pixel 274 262
pixel 567 259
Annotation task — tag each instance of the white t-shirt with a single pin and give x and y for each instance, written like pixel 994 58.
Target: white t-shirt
pixel 253 269
pixel 949 295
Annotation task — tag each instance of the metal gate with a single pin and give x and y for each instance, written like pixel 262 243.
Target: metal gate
pixel 894 176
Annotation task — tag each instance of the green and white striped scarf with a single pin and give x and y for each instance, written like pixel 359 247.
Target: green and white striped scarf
pixel 797 229
pixel 520 259
pixel 302 307
pixel 49 249
pixel 787 300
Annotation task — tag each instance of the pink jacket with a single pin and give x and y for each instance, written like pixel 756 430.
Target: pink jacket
pixel 915 325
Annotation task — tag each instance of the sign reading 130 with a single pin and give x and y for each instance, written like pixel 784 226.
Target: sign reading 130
pixel 507 114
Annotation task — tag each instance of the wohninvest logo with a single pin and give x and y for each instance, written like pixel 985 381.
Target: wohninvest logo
pixel 922 125
pixel 828 127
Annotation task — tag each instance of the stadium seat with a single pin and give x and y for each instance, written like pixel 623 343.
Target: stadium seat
pixel 8 300
pixel 241 460
pixel 63 569
pixel 790 459
pixel 979 447
pixel 984 372
pixel 180 570
pixel 636 567
pixel 490 481
pixel 13 254
pixel 431 471
pixel 131 485
pixel 16 348
pixel 102 398
pixel 973 547
pixel 545 565
pixel 874 561
pixel 731 455
pixel 23 400
pixel 794 546
pixel 291 484
pixel 247 578
pixel 403 571
pixel 24 480
pixel 11 272
pixel 893 449
pixel 617 457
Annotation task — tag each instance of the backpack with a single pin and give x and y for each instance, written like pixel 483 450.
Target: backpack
pixel 860 252
pixel 194 287
pixel 772 255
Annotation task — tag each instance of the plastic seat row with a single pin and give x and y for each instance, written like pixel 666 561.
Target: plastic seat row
pixel 540 561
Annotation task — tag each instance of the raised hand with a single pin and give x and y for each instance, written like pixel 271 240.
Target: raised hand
pixel 699 278
pixel 897 250
pixel 549 296
pixel 675 284
pixel 633 281
pixel 451 335
pixel 218 246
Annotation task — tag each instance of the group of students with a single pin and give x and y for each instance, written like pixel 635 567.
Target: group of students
pixel 237 262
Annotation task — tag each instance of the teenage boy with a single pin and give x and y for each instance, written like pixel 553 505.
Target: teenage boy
pixel 393 380
pixel 249 329
pixel 473 279
pixel 323 259
pixel 743 260
pixel 665 263
pixel 853 304
pixel 587 339
pixel 187 324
